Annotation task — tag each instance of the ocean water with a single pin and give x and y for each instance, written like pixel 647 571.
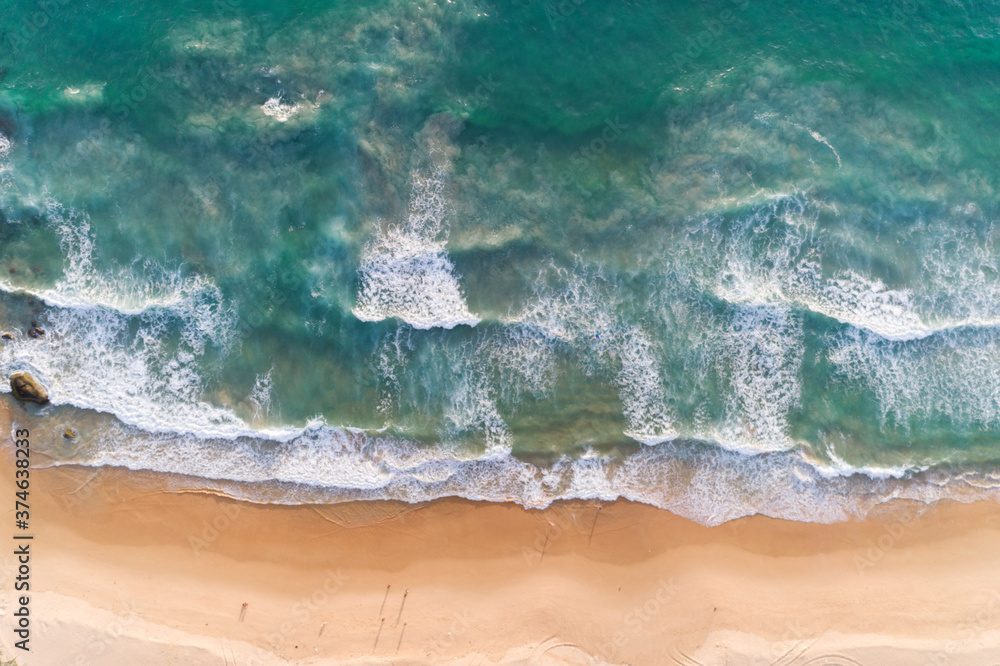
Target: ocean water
pixel 724 257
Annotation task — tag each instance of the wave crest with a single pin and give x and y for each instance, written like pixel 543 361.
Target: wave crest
pixel 406 272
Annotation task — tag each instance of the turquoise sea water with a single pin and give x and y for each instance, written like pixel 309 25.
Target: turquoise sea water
pixel 724 257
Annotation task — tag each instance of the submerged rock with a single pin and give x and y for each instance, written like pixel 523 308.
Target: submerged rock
pixel 25 387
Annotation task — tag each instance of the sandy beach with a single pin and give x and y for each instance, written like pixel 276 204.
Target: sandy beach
pixel 491 333
pixel 125 571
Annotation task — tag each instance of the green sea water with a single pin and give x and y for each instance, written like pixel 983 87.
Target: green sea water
pixel 724 257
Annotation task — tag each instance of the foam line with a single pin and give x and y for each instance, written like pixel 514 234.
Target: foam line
pixel 701 482
pixel 106 346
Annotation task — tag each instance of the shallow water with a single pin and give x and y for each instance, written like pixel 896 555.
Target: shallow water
pixel 723 257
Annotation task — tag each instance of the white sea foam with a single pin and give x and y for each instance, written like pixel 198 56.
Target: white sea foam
pixel 90 358
pixel 581 313
pixel 773 258
pixel 100 359
pixel 572 311
pixel 276 108
pixel 471 410
pixel 861 302
pixel 393 353
pixel 953 374
pixel 707 484
pixel 465 389
pixel 523 358
pixel 5 146
pixel 139 288
pixel 960 269
pixel 762 357
pixel 406 272
pixel 260 395
pixel 822 139
pixel 838 467
pixel 767 118
pixel 641 387
pixel 126 345
pixel 778 255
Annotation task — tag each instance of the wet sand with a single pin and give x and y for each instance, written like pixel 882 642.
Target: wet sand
pixel 126 569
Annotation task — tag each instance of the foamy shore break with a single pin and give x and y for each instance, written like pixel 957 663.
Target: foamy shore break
pixel 126 572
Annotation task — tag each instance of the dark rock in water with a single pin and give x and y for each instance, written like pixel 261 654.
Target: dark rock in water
pixel 27 214
pixel 7 336
pixel 8 124
pixel 25 387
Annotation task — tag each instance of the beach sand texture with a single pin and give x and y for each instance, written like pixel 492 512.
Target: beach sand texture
pixel 128 570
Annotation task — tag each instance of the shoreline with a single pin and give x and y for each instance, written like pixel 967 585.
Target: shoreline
pixel 708 484
pixel 125 570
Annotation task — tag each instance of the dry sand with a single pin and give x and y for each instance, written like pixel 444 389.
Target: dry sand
pixel 124 571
